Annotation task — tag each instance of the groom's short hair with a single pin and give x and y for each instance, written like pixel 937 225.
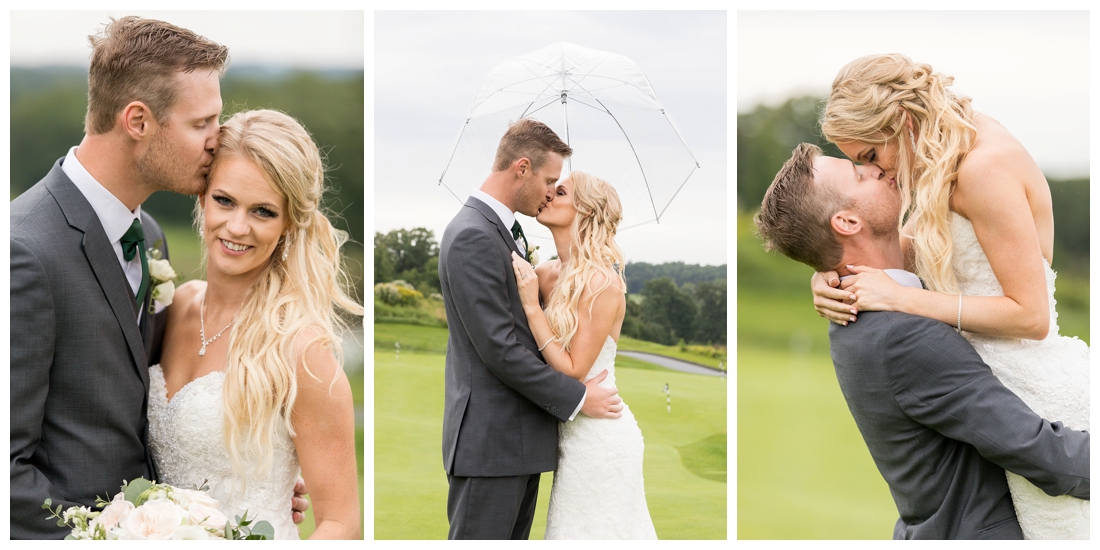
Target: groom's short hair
pixel 528 138
pixel 136 59
pixel 794 217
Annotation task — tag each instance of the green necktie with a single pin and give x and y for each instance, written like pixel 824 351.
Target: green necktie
pixel 517 234
pixel 133 242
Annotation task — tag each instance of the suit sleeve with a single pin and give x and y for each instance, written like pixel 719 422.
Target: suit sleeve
pixel 32 343
pixel 479 289
pixel 948 388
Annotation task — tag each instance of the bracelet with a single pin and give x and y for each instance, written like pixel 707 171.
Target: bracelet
pixel 959 318
pixel 547 343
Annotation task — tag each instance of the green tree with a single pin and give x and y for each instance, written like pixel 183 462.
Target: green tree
pixel 411 255
pixel 667 307
pixel 710 323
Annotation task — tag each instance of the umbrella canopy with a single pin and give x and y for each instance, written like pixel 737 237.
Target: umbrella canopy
pixel 601 104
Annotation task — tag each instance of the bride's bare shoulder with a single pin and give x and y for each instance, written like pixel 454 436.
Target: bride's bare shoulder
pixel 186 295
pixel 997 160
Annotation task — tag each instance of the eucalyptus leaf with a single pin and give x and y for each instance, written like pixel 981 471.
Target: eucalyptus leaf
pixel 135 488
pixel 264 528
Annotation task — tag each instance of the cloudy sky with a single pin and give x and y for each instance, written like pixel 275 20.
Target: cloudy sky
pixel 313 39
pixel 429 66
pixel 1028 70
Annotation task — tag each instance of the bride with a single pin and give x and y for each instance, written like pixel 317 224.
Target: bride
pixel 250 387
pixel 980 233
pixel 598 491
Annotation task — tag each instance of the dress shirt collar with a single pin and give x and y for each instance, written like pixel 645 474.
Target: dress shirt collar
pixel 503 212
pixel 900 276
pixel 113 215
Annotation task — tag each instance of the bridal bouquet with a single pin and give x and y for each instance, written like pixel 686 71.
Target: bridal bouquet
pixel 146 510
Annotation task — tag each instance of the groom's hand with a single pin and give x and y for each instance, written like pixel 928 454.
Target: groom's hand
pixel 601 402
pixel 298 503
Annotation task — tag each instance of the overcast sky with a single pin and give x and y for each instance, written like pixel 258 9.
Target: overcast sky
pixel 429 66
pixel 1028 70
pixel 313 39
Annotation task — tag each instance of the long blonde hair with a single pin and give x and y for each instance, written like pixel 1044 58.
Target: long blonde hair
pixel 870 101
pixel 295 302
pixel 593 255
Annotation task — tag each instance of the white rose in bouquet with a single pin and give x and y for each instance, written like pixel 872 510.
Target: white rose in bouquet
pixel 157 519
pixel 201 509
pixel 113 513
pixel 192 532
pixel 145 510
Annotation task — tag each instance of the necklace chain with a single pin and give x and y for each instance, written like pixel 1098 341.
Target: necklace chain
pixel 202 327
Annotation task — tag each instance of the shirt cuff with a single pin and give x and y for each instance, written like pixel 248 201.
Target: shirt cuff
pixel 579 405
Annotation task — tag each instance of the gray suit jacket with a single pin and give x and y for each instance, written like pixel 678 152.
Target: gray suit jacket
pixel 79 359
pixel 942 429
pixel 503 403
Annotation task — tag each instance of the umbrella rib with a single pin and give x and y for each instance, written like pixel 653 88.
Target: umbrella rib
pixel 678 189
pixel 639 161
pixel 540 107
pixel 451 158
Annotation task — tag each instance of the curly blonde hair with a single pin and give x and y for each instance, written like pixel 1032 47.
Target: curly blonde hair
pixel 594 261
pixel 296 302
pixel 872 100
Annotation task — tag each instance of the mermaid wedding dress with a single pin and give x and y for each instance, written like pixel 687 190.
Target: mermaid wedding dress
pixel 186 439
pixel 598 489
pixel 1050 375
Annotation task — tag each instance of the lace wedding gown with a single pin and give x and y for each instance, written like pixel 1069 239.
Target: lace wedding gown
pixel 1050 375
pixel 185 437
pixel 598 490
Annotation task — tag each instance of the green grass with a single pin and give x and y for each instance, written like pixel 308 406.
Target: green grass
pixel 627 343
pixel 684 462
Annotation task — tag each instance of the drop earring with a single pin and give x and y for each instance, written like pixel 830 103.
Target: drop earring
pixel 912 141
pixel 286 246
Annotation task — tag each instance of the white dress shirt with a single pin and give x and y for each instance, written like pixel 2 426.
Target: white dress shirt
pixel 508 218
pixel 900 276
pixel 115 218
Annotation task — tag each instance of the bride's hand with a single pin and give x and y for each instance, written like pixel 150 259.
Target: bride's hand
pixel 298 503
pixel 832 303
pixel 527 282
pixel 873 288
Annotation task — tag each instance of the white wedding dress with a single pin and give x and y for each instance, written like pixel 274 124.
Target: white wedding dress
pixel 1050 375
pixel 185 437
pixel 598 489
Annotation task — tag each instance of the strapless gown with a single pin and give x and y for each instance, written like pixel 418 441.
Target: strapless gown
pixel 185 437
pixel 1050 375
pixel 598 488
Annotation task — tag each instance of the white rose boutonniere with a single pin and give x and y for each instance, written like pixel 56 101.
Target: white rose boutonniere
pixel 161 280
pixel 533 255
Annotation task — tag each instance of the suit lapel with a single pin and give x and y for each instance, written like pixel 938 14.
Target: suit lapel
pixel 505 232
pixel 101 258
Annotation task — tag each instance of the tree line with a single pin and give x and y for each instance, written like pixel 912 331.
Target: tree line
pixel 666 303
pixel 47 118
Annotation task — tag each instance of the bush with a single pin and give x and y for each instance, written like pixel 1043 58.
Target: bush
pixel 397 293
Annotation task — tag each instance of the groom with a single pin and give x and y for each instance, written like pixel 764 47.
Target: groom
pixel 940 426
pixel 503 403
pixel 82 336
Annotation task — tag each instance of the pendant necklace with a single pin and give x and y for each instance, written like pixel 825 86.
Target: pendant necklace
pixel 202 327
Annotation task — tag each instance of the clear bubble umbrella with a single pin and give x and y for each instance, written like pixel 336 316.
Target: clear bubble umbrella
pixel 601 104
